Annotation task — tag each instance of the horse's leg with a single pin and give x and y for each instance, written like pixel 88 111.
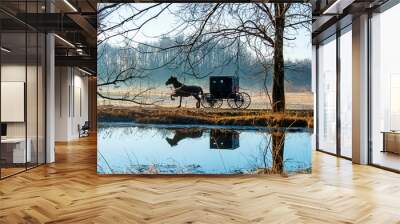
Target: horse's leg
pixel 198 100
pixel 180 102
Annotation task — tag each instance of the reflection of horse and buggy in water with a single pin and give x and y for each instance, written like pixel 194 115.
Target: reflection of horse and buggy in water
pixel 219 138
pixel 221 88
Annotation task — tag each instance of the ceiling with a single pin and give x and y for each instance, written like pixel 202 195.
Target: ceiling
pixel 332 15
pixel 73 21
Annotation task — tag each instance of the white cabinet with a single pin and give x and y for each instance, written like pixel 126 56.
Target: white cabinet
pixel 16 146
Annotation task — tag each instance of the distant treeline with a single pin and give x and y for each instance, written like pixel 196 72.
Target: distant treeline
pixel 154 62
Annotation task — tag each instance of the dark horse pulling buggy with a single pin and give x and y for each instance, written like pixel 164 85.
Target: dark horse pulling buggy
pixel 221 88
pixel 225 88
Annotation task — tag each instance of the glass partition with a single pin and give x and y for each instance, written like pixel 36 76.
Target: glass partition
pixel 346 93
pixel 41 97
pixel 385 89
pixel 32 98
pixel 13 95
pixel 327 96
pixel 22 88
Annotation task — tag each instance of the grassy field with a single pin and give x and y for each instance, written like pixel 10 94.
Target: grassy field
pixel 169 115
pixel 259 100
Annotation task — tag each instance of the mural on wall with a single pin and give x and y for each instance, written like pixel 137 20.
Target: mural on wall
pixel 210 88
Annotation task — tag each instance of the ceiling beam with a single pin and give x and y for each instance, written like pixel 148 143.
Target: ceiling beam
pixel 49 22
pixel 86 26
pixel 77 61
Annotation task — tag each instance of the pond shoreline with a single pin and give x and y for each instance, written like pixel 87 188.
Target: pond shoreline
pixel 200 126
pixel 192 116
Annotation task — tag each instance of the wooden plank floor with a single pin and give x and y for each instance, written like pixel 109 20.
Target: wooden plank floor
pixel 70 191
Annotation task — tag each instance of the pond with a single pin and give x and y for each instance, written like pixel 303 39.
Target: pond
pixel 126 148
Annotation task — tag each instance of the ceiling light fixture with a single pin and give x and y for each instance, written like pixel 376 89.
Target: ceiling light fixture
pixel 5 50
pixel 84 71
pixel 64 40
pixel 79 51
pixel 337 7
pixel 70 5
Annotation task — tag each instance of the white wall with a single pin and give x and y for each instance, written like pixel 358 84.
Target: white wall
pixel 80 110
pixel 71 87
pixel 61 103
pixel 17 73
pixel 33 126
pixel 12 73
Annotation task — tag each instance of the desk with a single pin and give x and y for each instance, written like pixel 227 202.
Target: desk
pixel 391 141
pixel 16 148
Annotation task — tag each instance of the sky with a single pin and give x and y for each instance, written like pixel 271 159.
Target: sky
pixel 298 49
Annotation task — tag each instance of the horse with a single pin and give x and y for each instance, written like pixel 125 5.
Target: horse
pixel 182 90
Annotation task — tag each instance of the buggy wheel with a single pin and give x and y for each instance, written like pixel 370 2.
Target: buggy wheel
pixel 240 100
pixel 234 103
pixel 208 101
pixel 246 100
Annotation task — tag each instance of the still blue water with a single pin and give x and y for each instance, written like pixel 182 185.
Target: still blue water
pixel 181 149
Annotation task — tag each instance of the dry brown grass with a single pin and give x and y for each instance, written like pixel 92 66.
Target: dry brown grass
pixel 167 115
pixel 294 100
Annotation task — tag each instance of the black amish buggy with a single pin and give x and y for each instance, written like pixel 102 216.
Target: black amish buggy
pixel 225 88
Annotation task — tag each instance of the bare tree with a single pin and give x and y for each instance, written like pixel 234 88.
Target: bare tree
pixel 263 27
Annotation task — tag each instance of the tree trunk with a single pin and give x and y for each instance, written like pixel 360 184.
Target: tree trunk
pixel 278 85
pixel 278 145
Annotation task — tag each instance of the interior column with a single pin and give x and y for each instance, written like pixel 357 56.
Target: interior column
pixel 360 90
pixel 50 92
